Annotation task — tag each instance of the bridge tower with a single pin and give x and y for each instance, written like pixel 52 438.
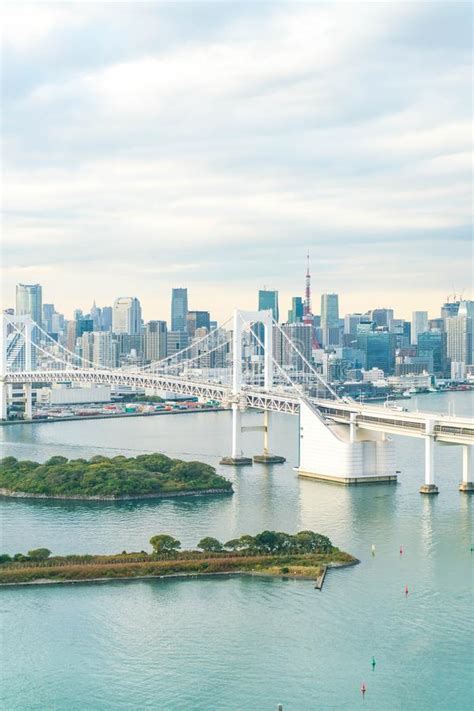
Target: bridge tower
pixel 240 319
pixel 18 344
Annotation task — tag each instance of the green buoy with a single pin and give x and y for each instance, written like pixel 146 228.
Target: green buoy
pixel 373 662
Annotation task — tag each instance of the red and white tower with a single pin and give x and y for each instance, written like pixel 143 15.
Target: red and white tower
pixel 307 313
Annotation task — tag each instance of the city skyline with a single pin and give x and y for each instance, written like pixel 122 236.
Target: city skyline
pixel 343 129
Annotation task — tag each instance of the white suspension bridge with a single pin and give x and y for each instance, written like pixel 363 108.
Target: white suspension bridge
pixel 340 440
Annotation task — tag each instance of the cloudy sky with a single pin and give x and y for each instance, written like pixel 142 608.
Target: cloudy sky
pixel 210 145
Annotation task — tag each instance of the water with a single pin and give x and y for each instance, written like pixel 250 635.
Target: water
pixel 238 643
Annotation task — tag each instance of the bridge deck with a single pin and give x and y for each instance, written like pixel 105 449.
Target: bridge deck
pixel 447 429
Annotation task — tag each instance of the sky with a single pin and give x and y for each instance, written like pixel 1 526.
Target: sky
pixel 148 145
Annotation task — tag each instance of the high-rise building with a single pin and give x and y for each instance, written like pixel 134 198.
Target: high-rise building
pixel 300 334
pixel 379 350
pixel 175 342
pixel 459 331
pixel 102 350
pixel 295 314
pixel 179 309
pixel 450 308
pixel 29 302
pixel 106 318
pixel 195 320
pixel 155 340
pixel 419 324
pixel 382 317
pixel 351 321
pixel 330 319
pixel 268 299
pixel 434 342
pixel 127 316
pixel 48 311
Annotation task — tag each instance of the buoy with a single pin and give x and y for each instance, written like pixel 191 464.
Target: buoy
pixel 373 549
pixel 406 589
pixel 363 689
pixel 401 550
pixel 373 662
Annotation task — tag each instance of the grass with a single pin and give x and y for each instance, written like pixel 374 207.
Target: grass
pixel 132 565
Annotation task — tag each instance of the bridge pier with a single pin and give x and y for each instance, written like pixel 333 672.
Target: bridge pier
pixel 28 393
pixel 3 400
pixel 266 457
pixel 236 458
pixel 466 485
pixel 429 486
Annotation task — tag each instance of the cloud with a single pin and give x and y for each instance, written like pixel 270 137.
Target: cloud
pixel 215 149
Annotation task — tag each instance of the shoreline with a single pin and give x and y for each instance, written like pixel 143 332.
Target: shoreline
pixel 242 573
pixel 102 416
pixel 9 494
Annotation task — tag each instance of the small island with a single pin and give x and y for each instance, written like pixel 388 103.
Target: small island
pixel 306 555
pixel 109 478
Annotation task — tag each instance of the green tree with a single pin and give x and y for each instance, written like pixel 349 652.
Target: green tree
pixel 164 545
pixel 210 545
pixel 4 558
pixel 39 554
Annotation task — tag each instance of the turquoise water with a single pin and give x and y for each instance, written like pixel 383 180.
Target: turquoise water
pixel 240 643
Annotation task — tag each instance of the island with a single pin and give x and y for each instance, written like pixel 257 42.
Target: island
pixel 109 478
pixel 306 555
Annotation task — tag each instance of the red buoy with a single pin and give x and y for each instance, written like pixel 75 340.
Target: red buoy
pixel 401 550
pixel 363 689
pixel 406 589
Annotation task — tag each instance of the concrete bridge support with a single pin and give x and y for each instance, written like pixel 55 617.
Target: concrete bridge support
pixel 466 485
pixel 429 486
pixel 28 394
pixel 267 457
pixel 343 454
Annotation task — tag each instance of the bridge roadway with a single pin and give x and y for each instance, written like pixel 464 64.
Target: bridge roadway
pixel 446 429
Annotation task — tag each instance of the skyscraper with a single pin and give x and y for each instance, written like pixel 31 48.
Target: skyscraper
pixel 295 314
pixel 127 315
pixel 195 320
pixel 29 302
pixel 379 350
pixel 459 331
pixel 419 324
pixel 330 319
pixel 268 299
pixel 155 340
pixel 382 317
pixel 179 309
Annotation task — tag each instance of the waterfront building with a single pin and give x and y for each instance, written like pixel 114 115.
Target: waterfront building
pixel 398 327
pixel 268 299
pixel 460 337
pixel 419 324
pixel 195 320
pixel 155 340
pixel 379 349
pixel 434 343
pixel 295 314
pixel 179 309
pixel 127 316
